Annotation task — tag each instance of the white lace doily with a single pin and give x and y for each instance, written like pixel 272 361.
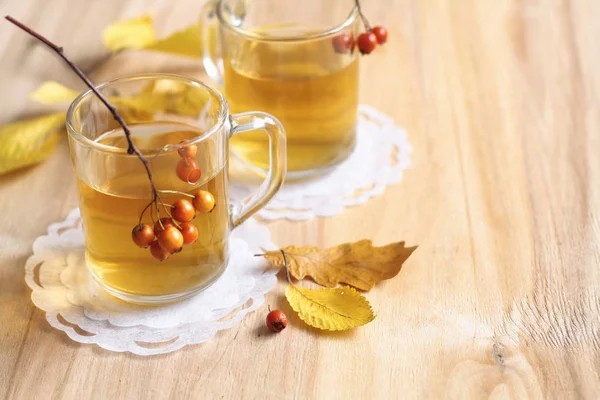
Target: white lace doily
pixel 381 155
pixel 64 289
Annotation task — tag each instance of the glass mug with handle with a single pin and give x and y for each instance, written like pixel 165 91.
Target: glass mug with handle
pixel 184 128
pixel 280 57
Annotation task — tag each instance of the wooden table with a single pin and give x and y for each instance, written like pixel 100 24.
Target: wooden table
pixel 501 100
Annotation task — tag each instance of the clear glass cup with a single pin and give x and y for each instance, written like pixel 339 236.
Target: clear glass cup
pixel 281 57
pixel 167 115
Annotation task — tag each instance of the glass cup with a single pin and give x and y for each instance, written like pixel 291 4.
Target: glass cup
pixel 184 128
pixel 281 57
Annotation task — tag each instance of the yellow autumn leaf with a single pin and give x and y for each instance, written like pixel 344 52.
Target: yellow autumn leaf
pixel 159 96
pixel 52 92
pixel 334 309
pixel 139 33
pixel 186 42
pixel 135 33
pixel 28 142
pixel 358 264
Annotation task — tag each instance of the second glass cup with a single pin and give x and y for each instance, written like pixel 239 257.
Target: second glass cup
pixel 183 127
pixel 281 57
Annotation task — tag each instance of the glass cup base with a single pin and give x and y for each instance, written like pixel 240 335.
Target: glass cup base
pixel 156 300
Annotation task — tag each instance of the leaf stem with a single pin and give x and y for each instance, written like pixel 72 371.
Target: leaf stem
pixel 285 265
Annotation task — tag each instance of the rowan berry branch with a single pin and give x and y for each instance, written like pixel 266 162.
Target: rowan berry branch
pixel 132 148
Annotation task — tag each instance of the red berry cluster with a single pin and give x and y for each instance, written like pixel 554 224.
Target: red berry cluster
pixel 170 234
pixel 366 41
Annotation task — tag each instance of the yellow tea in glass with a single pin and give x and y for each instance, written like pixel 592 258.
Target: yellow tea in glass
pixel 280 57
pixel 175 114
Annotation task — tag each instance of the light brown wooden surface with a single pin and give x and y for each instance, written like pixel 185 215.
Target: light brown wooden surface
pixel 501 100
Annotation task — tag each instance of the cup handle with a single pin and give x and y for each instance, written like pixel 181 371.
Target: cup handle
pixel 250 121
pixel 211 59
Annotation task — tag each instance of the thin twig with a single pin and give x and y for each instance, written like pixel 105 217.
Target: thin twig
pixel 132 148
pixel 163 191
pixel 362 16
pixel 144 211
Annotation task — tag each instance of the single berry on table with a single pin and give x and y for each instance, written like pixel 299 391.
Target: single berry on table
pixel 276 321
pixel 142 235
pixel 158 252
pixel 188 170
pixel 203 201
pixel 189 232
pixel 171 239
pixel 366 42
pixel 380 33
pixel 183 210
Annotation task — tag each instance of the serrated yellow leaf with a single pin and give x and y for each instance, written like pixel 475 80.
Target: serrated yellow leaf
pixel 52 92
pixel 28 142
pixel 334 309
pixel 135 33
pixel 186 42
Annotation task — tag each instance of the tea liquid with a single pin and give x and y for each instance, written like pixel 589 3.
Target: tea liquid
pixel 110 209
pixel 311 89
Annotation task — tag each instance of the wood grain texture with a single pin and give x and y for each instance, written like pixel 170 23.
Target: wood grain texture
pixel 501 100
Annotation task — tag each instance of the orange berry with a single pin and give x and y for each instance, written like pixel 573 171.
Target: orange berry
pixel 188 151
pixel 171 239
pixel 204 201
pixel 142 235
pixel 276 321
pixel 380 33
pixel 366 42
pixel 166 222
pixel 158 252
pixel 189 232
pixel 183 210
pixel 188 170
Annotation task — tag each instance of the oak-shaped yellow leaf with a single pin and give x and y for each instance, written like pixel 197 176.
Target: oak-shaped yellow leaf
pixel 52 92
pixel 358 264
pixel 28 142
pixel 335 309
pixel 135 33
pixel 186 42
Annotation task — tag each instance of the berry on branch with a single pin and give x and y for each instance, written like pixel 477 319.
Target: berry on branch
pixel 183 210
pixel 171 239
pixel 204 201
pixel 188 170
pixel 158 252
pixel 367 42
pixel 142 235
pixel 189 232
